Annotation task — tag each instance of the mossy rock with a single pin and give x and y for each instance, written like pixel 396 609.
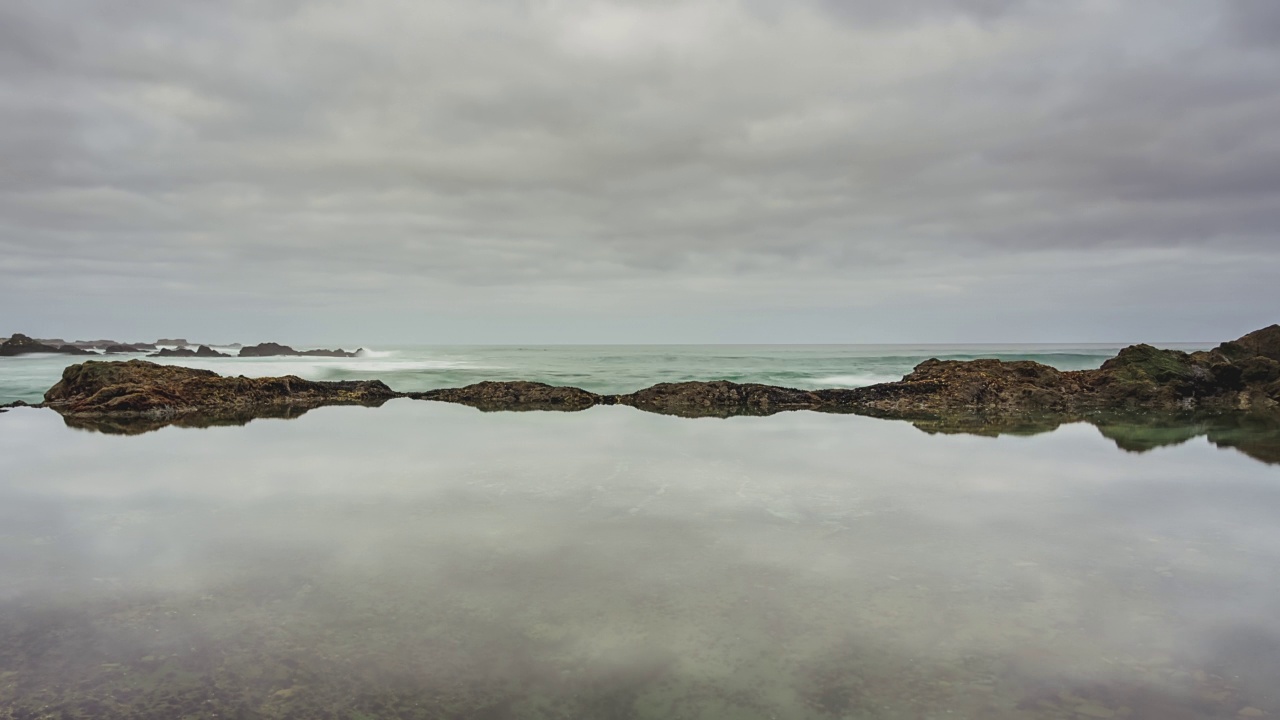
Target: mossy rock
pixel 1147 363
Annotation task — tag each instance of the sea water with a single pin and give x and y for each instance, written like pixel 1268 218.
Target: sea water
pixel 426 560
pixel 602 369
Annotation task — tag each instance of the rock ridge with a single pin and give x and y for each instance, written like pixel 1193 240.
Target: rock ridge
pixel 1240 376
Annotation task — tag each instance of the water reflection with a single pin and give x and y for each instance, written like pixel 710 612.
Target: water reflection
pixel 1254 434
pixel 424 560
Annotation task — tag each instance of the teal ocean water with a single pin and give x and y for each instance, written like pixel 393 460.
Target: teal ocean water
pixel 602 369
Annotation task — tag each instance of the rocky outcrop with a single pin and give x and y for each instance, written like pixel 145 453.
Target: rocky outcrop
pixel 119 349
pixel 717 399
pixel 19 344
pixel 143 390
pixel 179 342
pixel 938 385
pixel 1242 375
pixel 204 351
pixel 1238 380
pixel 278 350
pixel 517 395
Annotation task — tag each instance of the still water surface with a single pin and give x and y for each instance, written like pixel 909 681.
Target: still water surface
pixel 424 560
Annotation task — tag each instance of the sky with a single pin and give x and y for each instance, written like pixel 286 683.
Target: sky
pixel 648 171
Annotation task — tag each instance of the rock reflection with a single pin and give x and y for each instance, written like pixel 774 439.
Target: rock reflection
pixel 135 425
pixel 1256 435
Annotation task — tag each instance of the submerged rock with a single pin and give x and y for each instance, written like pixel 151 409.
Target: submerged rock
pixel 19 344
pixel 143 389
pixel 278 350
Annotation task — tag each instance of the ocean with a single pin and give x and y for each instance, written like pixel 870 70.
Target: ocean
pixel 600 369
pixel 427 560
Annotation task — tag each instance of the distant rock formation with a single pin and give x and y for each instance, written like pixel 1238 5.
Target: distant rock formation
pixel 180 342
pixel 119 349
pixel 19 344
pixel 271 349
pixel 204 351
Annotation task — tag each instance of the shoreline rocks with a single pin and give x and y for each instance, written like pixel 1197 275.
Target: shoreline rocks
pixel 1241 378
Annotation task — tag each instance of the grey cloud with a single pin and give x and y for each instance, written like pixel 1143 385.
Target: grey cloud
pixel 731 157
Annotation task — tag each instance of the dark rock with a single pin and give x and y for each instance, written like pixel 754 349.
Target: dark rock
pixel 1259 343
pixel 204 351
pixel 141 389
pixel 19 344
pixel 14 404
pixel 119 349
pixel 951 385
pixel 492 396
pixel 278 350
pixel 180 342
pixel 717 399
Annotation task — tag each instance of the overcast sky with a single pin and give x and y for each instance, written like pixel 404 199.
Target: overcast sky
pixel 640 170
